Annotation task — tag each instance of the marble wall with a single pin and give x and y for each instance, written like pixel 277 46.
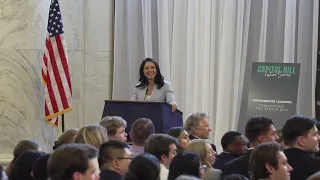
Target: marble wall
pixel 89 34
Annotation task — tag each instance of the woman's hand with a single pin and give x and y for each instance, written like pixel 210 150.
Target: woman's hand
pixel 173 107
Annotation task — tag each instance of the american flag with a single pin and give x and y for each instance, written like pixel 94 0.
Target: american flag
pixel 55 70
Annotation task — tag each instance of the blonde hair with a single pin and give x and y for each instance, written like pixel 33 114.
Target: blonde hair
pixel 66 137
pixel 199 147
pixel 94 135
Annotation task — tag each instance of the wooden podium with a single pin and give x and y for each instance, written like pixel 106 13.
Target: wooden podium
pixel 159 112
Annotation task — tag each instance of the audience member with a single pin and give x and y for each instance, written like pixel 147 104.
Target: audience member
pixel 114 159
pixel 182 137
pixel 280 140
pixel 73 162
pixel 22 168
pixel 22 146
pixel 141 129
pixel 258 129
pixel 39 170
pixel 66 137
pixel 164 147
pixel 197 125
pixel 234 177
pixel 116 127
pixel 94 135
pixel 301 137
pixel 268 161
pixel 315 176
pixel 144 166
pixel 186 163
pixel 233 146
pixel 207 157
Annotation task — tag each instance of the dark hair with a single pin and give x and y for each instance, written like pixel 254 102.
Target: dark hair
pixel 234 177
pixel 24 164
pixel 257 126
pixel 264 153
pixel 111 150
pixel 144 166
pixel 141 129
pixel 228 138
pixel 158 144
pixel 143 79
pixel 186 163
pixel 296 126
pixel 40 168
pixel 22 146
pixel 66 137
pixel 176 132
pixel 68 159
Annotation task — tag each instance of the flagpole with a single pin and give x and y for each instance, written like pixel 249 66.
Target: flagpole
pixel 62 123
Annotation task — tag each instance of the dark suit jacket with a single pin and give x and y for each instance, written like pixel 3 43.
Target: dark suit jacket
pixel 303 163
pixel 222 159
pixel 107 174
pixel 191 137
pixel 239 165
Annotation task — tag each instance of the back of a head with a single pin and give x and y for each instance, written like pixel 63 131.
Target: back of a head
pixel 296 126
pixel 66 137
pixel 234 177
pixel 228 138
pixel 144 166
pixel 315 176
pixel 199 147
pixel 158 144
pixel 24 145
pixel 264 153
pixel 68 159
pixel 110 151
pixel 39 170
pixel 24 164
pixel 257 126
pixel 94 135
pixel 186 163
pixel 193 121
pixel 141 129
pixel 186 177
pixel 175 132
pixel 112 123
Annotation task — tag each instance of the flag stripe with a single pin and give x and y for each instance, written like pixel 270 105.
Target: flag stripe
pixel 51 95
pixel 64 61
pixel 57 75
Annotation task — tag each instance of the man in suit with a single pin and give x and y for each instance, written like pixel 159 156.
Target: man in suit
pixel 268 161
pixel 114 159
pixel 300 135
pixel 197 125
pixel 258 129
pixel 233 145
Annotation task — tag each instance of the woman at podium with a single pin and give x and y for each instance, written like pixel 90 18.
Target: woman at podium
pixel 152 87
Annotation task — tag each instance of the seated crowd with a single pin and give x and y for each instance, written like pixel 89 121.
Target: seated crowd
pixel 102 151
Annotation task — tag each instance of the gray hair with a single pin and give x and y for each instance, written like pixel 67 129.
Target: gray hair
pixel 193 121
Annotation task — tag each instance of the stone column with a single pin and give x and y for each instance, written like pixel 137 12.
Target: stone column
pixel 22 36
